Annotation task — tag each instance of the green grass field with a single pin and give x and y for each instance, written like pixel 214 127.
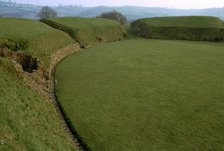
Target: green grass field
pixel 88 31
pixel 32 37
pixel 28 121
pixel 146 95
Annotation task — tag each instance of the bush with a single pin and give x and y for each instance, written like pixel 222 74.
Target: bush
pixel 114 16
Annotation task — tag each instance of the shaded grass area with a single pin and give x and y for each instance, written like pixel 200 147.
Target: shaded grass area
pixel 32 37
pixel 88 31
pixel 146 95
pixel 28 121
pixel 200 28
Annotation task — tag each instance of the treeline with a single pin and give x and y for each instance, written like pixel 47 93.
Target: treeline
pixel 131 12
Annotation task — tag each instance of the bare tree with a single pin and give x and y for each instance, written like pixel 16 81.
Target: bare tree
pixel 114 16
pixel 46 12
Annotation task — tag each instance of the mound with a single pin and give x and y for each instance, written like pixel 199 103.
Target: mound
pixel 28 121
pixel 32 37
pixel 183 27
pixel 88 31
pixel 28 51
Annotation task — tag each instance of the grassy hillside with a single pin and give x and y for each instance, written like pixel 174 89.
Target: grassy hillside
pixel 88 31
pixel 28 121
pixel 146 95
pixel 32 37
pixel 182 27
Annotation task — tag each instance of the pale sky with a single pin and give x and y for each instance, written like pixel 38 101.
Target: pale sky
pixel 181 4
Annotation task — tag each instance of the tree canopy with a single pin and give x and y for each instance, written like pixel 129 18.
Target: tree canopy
pixel 47 12
pixel 114 15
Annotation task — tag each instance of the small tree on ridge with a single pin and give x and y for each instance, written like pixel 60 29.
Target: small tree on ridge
pixel 46 12
pixel 114 16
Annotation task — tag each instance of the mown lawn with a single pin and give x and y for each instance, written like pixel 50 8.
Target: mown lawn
pixel 146 95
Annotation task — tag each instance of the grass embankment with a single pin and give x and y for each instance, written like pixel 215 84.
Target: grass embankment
pixel 146 95
pixel 183 27
pixel 89 31
pixel 28 121
pixel 32 37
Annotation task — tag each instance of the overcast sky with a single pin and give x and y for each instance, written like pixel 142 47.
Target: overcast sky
pixel 182 4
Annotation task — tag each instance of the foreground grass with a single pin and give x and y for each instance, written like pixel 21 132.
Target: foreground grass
pixel 32 37
pixel 28 121
pixel 146 95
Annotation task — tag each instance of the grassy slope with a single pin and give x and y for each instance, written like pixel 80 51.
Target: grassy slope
pixel 146 95
pixel 88 31
pixel 199 28
pixel 185 21
pixel 32 37
pixel 28 121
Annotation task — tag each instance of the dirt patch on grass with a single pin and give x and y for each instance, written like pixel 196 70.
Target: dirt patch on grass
pixel 28 63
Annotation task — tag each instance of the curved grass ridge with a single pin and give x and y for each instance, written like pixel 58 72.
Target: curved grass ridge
pixel 204 28
pixel 88 31
pixel 32 37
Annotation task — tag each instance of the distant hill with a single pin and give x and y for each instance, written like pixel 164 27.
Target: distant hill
pixel 132 12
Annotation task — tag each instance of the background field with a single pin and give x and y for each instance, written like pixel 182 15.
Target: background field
pixel 146 95
pixel 88 31
pixel 201 28
pixel 32 37
pixel 28 121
